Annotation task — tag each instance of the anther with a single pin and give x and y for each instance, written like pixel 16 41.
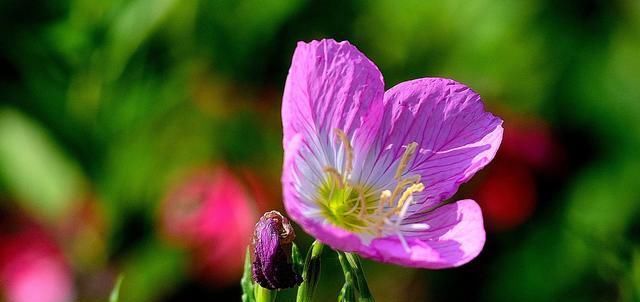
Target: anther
pixel 384 197
pixel 408 193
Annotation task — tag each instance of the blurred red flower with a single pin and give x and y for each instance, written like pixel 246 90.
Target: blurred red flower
pixel 508 193
pixel 530 142
pixel 211 215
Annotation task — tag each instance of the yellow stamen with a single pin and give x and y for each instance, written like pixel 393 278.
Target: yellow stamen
pixel 363 203
pixel 403 183
pixel 411 148
pixel 337 177
pixel 348 165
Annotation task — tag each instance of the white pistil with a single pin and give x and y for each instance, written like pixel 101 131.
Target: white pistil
pixel 403 241
pixel 417 226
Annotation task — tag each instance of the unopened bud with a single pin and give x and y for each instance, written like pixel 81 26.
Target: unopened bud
pixel 271 246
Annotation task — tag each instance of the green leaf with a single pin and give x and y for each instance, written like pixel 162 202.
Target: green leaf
pixel 34 169
pixel 152 270
pixel 115 292
pixel 135 23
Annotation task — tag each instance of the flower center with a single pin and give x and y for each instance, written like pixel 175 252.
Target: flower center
pixel 364 209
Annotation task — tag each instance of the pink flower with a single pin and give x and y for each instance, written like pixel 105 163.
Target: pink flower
pixel 368 171
pixel 32 269
pixel 211 214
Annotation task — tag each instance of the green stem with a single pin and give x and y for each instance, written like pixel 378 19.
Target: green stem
pixel 351 264
pixel 264 295
pixel 310 273
pixel 361 281
pixel 347 293
pixel 246 282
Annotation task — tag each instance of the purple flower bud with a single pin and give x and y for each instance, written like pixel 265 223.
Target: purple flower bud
pixel 271 252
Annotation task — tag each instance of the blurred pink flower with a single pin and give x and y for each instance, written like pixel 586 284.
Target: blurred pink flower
pixel 32 268
pixel 211 214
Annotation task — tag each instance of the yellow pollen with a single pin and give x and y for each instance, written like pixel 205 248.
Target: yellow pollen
pixel 415 188
pixel 355 206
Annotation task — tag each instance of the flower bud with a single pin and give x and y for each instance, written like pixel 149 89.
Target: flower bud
pixel 271 246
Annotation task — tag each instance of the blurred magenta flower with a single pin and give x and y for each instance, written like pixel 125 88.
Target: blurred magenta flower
pixel 367 171
pixel 211 214
pixel 32 268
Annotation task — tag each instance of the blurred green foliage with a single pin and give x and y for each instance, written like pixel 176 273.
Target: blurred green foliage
pixel 34 169
pixel 116 99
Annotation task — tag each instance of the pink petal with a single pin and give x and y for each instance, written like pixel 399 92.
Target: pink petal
pixel 332 85
pixel 456 137
pixel 456 236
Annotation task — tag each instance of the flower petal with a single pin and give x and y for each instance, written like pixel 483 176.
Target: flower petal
pixel 455 136
pixel 332 85
pixel 456 236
